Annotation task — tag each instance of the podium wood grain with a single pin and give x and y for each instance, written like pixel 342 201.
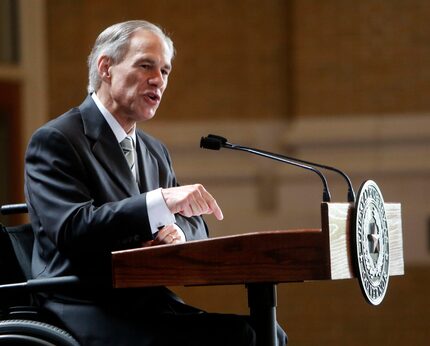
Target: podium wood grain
pixel 336 220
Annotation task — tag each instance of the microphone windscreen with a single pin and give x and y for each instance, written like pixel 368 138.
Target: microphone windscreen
pixel 223 140
pixel 210 143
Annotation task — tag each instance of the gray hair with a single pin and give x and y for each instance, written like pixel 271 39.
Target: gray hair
pixel 113 42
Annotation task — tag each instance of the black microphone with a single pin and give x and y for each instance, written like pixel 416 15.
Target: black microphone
pixel 215 142
pixel 211 142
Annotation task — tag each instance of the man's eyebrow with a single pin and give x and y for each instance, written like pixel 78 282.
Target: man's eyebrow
pixel 152 62
pixel 147 60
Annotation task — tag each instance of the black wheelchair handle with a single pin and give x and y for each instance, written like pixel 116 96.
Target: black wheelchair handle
pixel 9 209
pixel 44 284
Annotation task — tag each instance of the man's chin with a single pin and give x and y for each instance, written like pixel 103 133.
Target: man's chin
pixel 145 116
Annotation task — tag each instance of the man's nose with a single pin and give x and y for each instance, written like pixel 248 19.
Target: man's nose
pixel 157 79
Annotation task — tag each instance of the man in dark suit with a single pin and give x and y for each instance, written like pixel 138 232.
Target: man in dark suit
pixel 95 183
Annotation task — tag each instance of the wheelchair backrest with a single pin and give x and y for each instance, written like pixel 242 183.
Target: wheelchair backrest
pixel 15 264
pixel 22 240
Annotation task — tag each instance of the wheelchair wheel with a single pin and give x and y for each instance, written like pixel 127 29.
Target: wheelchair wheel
pixel 27 332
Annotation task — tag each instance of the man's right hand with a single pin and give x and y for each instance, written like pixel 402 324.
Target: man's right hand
pixel 191 200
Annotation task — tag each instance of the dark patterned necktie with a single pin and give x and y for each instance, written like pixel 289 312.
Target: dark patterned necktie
pixel 128 150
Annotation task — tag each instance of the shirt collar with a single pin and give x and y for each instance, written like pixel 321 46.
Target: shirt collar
pixel 116 128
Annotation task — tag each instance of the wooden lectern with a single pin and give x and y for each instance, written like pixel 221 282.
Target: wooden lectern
pixel 258 260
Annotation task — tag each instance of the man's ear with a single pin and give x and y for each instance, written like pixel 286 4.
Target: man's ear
pixel 103 66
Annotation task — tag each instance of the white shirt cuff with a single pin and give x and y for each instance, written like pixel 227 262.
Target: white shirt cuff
pixel 181 234
pixel 158 213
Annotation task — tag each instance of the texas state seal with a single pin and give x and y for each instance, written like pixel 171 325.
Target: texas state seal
pixel 371 243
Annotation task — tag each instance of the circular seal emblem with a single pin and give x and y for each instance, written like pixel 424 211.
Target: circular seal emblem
pixel 371 243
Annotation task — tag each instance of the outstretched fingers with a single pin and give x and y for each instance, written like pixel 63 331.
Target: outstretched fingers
pixel 191 200
pixel 212 204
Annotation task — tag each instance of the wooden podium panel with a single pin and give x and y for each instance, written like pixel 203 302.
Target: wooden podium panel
pixel 273 256
pixel 336 221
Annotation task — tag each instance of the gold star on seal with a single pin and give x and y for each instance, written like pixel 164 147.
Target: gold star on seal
pixel 374 238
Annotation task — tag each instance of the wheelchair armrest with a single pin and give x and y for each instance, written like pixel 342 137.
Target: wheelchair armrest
pixel 44 284
pixel 9 209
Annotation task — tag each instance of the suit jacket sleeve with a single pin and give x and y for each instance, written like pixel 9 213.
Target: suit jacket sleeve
pixel 194 228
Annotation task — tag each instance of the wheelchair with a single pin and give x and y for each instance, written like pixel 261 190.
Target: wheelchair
pixel 22 321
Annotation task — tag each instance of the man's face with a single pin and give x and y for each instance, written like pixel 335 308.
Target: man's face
pixel 137 83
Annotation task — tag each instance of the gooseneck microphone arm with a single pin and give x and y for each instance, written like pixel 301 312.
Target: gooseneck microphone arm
pixel 351 193
pixel 216 142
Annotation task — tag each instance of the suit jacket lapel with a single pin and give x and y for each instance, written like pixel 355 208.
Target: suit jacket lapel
pixel 147 165
pixel 106 148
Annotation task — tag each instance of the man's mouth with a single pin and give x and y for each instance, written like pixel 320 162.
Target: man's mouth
pixel 153 97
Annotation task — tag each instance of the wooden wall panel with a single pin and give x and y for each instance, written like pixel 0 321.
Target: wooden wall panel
pixel 361 57
pixel 258 60
pixel 231 55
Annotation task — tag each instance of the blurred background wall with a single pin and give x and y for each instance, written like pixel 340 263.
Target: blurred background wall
pixel 341 82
